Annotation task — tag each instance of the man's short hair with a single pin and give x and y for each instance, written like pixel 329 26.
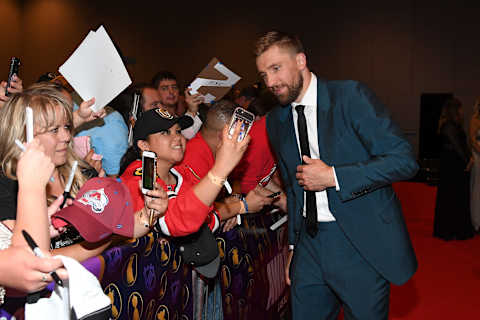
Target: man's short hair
pixel 280 39
pixel 249 92
pixel 162 75
pixel 219 114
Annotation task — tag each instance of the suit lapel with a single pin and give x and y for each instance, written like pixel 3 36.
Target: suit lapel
pixel 288 139
pixel 289 149
pixel 323 105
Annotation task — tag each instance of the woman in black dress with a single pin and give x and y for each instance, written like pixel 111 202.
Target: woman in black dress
pixel 452 211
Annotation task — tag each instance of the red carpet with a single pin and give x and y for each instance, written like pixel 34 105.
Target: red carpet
pixel 447 283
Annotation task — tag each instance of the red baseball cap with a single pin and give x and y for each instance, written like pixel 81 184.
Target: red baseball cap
pixel 102 206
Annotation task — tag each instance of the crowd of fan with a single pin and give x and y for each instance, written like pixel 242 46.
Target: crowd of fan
pixel 195 156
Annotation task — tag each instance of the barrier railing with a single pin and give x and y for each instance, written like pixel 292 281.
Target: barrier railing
pixel 146 279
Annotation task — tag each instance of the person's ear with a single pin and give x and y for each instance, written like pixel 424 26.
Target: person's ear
pixel 301 60
pixel 143 145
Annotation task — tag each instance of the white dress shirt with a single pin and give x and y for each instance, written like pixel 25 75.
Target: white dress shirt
pixel 309 100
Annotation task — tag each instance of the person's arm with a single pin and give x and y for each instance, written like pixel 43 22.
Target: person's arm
pixel 22 270
pixel 84 113
pixel 188 211
pixel 387 155
pixel 83 250
pixel 156 203
pixel 34 170
pixel 227 156
pixel 15 86
pixel 192 101
pixel 256 199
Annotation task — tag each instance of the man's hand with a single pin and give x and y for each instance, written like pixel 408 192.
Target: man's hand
pixel 315 175
pixel 193 101
pixel 258 198
pixel 15 87
pixel 84 113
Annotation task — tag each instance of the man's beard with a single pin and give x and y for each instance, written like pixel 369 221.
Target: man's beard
pixel 293 91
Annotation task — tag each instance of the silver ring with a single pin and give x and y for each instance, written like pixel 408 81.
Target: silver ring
pixel 44 277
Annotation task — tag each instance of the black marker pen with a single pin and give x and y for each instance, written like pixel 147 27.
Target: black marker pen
pixel 39 253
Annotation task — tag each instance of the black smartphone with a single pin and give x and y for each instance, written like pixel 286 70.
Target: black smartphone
pixel 275 194
pixel 14 66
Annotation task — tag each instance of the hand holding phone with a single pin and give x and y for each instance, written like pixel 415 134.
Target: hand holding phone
pixel 14 66
pixel 246 117
pixel 149 170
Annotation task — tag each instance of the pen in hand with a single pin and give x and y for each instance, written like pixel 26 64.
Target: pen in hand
pixel 38 253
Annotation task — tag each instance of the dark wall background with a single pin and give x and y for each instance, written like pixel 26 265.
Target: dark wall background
pixel 400 49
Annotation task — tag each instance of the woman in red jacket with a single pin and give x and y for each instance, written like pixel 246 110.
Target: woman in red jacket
pixel 191 199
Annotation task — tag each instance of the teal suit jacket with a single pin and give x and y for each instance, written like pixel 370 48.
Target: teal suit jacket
pixel 357 136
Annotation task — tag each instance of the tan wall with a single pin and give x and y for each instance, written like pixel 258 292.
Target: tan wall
pixel 400 49
pixel 10 22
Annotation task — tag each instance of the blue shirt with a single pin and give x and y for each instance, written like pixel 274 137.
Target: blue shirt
pixel 109 140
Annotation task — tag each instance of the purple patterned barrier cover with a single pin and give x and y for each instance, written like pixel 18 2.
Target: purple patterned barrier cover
pixel 146 279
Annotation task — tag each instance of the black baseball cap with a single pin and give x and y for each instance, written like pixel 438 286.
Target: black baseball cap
pixel 200 250
pixel 156 120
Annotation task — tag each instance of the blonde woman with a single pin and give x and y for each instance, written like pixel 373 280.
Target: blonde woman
pixel 30 273
pixel 474 137
pixel 53 120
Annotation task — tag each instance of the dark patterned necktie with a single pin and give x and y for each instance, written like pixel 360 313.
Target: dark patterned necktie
pixel 311 202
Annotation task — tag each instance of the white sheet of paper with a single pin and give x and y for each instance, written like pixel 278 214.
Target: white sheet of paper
pixel 95 69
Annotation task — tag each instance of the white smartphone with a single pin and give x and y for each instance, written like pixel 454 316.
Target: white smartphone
pixel 149 170
pixel 246 117
pixel 29 123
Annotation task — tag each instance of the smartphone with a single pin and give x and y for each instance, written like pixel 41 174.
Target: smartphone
pixel 14 65
pixel 149 170
pixel 246 117
pixel 29 123
pixel 274 195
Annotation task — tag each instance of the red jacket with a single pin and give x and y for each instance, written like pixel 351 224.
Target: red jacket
pixel 185 213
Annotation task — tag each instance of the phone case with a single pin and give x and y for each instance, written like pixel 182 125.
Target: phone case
pixel 151 155
pixel 246 117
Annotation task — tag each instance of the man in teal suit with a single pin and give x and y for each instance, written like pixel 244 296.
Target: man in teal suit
pixel 347 235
